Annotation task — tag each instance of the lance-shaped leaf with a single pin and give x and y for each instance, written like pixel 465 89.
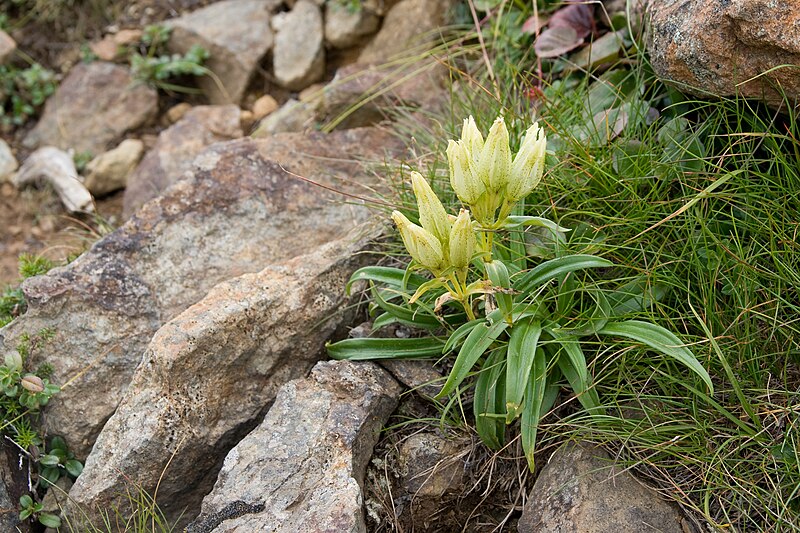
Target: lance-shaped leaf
pixel 488 400
pixel 369 349
pixel 393 277
pixel 522 346
pixel 534 406
pixel 478 341
pixel 555 267
pixel 498 275
pixel 404 315
pixel 660 340
pixel 572 363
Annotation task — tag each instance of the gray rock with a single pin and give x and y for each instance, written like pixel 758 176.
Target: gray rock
pixel 236 33
pixel 306 461
pixel 404 27
pixel 176 147
pixel 293 116
pixel 95 105
pixel 712 47
pixel 432 465
pixel 298 59
pixel 8 163
pixel 237 213
pixel 208 376
pixel 345 27
pixel 56 168
pixel 13 484
pixel 109 171
pixel 7 47
pixel 582 490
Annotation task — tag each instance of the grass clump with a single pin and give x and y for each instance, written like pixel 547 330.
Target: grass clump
pixel 696 203
pixel 149 63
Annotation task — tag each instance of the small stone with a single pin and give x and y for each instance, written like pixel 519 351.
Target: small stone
pixel 106 49
pixel 176 112
pixel 8 163
pixel 246 120
pixel 432 465
pixel 7 47
pixel 264 106
pixel 126 37
pixel 312 94
pixel 581 489
pixel 109 171
pixel 293 116
pixel 299 55
pixel 55 167
pixel 345 26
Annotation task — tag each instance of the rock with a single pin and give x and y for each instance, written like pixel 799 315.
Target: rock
pixel 419 376
pixel 580 489
pixel 95 105
pixel 246 120
pixel 175 150
pixel 176 112
pixel 264 106
pixel 56 168
pixel 109 171
pixel 305 462
pixel 711 46
pixel 237 213
pixel 7 47
pixel 360 95
pixel 236 33
pixel 56 496
pixel 127 36
pixel 13 484
pixel 293 116
pixel 345 26
pixel 432 465
pixel 106 49
pixel 298 59
pixel 208 376
pixel 402 28
pixel 8 163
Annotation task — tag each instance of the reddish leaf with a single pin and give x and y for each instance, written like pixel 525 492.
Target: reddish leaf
pixel 535 24
pixel 579 17
pixel 554 42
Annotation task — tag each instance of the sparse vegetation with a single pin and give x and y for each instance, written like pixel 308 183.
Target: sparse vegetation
pixel 151 65
pixel 22 92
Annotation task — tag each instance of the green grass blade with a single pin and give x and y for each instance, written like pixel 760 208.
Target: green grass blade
pixel 478 341
pixel 556 267
pixel 572 363
pixel 661 340
pixel 409 317
pixel 522 346
pixel 370 349
pixel 488 397
pixel 534 400
pixel 393 277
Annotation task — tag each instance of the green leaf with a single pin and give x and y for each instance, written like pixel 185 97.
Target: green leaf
pixel 661 340
pixel 49 475
pixel 516 221
pixel 460 333
pixel 488 398
pixel 49 520
pixel 393 277
pixel 25 501
pixel 522 347
pixel 534 400
pixel 478 341
pixel 58 443
pixel 383 320
pixel 410 317
pixel 556 267
pixel 49 460
pixel 498 275
pixel 636 295
pixel 572 363
pixel 368 349
pixel 74 467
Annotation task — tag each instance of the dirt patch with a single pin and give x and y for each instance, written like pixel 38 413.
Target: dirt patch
pixel 34 222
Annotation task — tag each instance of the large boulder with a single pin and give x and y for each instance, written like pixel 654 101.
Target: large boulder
pixel 175 150
pixel 721 47
pixel 236 33
pixel 304 464
pixel 242 208
pixel 95 105
pixel 581 490
pixel 209 375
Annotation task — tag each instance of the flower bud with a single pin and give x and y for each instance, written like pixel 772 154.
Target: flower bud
pixel 463 178
pixel 432 215
pixel 494 166
pixel 528 165
pixel 420 243
pixel 471 137
pixel 462 241
pixel 32 383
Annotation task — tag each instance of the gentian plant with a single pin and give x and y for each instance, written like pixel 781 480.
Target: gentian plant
pixel 518 324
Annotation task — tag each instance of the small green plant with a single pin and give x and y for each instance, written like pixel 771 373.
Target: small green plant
pixel 32 509
pixel 523 323
pixel 12 301
pixel 151 65
pixel 22 92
